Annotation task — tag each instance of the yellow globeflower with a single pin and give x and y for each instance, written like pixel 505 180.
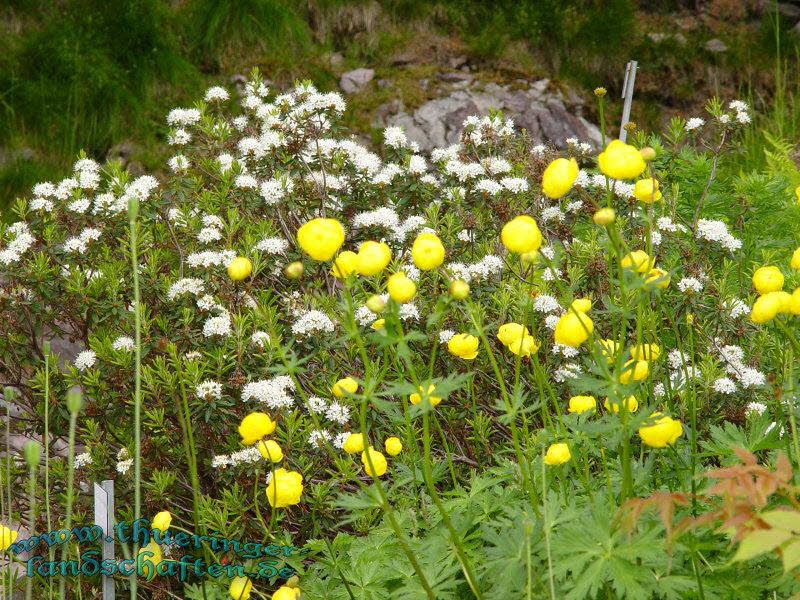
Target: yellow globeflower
pixel 463 345
pixel 645 352
pixel 372 258
pixel 459 289
pixel 284 488
pixel 646 190
pixel 785 299
pixel 638 261
pixel 354 443
pixel 509 332
pixel 393 446
pixel 661 433
pixel 427 252
pixel 557 454
pixel 609 349
pixel 795 263
pixel 286 593
pixel 559 176
pixel 240 268
pixel 270 450
pixel 767 279
pixel 378 462
pixel 240 588
pixel 621 161
pixel 416 398
pixel 148 559
pixel 521 234
pixel 658 278
pixel 766 307
pixel 797 193
pixel 581 404
pixel 583 305
pixel 630 403
pixel 7 537
pixel 378 324
pixel 634 370
pixel 376 304
pixel 294 270
pixel 401 288
pixel 573 329
pixel 255 426
pixel 161 521
pixel 605 216
pixel 524 346
pixel 794 305
pixel 345 264
pixel 321 238
pixel 344 386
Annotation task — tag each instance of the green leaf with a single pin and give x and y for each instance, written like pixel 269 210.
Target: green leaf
pixel 791 555
pixel 760 541
pixel 785 520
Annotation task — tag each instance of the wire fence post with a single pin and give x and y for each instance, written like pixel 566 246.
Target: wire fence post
pixel 627 96
pixel 104 518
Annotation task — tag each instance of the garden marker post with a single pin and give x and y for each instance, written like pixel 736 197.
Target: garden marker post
pixel 104 518
pixel 627 96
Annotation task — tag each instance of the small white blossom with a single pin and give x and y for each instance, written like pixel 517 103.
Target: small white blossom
pixel 124 342
pixel 208 390
pixel 85 360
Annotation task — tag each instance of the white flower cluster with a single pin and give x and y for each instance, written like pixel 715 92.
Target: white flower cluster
pixel 124 343
pixel 209 390
pixel 82 460
pixel 20 243
pixel 260 339
pixel 666 224
pixel 272 392
pixel 717 231
pixel 733 358
pixel 311 322
pixel 483 130
pixel 741 110
pixel 395 137
pixel 445 335
pixel 247 455
pixel 187 285
pixel 694 123
pixel 737 308
pixel 80 243
pixel 85 360
pixel 690 284
pixel 546 304
pixel 489 265
pixel 210 258
pixel 219 325
pixel 124 461
pixel 388 218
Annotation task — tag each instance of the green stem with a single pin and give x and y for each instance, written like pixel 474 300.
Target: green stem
pixel 74 400
pixel 133 210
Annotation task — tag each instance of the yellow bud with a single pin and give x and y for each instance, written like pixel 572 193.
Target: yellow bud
pixel 240 268
pixel 294 270
pixel 393 446
pixel 605 216
pixel 647 153
pixel 376 304
pixel 459 289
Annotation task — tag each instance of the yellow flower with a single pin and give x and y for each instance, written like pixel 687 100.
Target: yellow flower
pixel 284 488
pixel 573 329
pixel 630 403
pixel 354 443
pixel 7 537
pixel 427 252
pixel 463 345
pixel 605 216
pixel 321 238
pixel 797 193
pixel 634 370
pixel 609 349
pixel 795 264
pixel 148 558
pixel 416 398
pixel 378 324
pixel 524 346
pixel 161 521
pixel 661 433
pixel 393 446
pixel 344 386
pixel 345 264
pixel 240 588
pixel 645 352
pixel 270 450
pixel 767 279
pixel 255 426
pixel 638 261
pixel 559 176
pixel 509 332
pixel 521 234
pixel 372 257
pixel 765 308
pixel 459 289
pixel 239 268
pixel 376 304
pixel 785 299
pixel 378 462
pixel 621 161
pixel 794 305
pixel 580 404
pixel 557 454
pixel 401 288
pixel 294 270
pixel 646 190
pixel 658 278
pixel 583 305
pixel 286 593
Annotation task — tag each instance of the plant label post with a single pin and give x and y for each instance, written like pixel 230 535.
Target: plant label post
pixel 104 518
pixel 627 96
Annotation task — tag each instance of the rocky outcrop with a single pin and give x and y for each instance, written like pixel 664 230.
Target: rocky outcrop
pixel 547 114
pixel 352 81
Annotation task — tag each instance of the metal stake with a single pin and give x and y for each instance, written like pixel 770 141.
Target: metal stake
pixel 104 518
pixel 627 96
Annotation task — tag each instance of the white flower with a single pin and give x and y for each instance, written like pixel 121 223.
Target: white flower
pixel 551 321
pixel 247 455
pixel 659 390
pixel 690 284
pixel 338 413
pixel 274 190
pixel 546 304
pixel 246 182
pixel 183 116
pixel 260 339
pixel 515 185
pixel 394 137
pixel 339 439
pixel 178 163
pixel 219 325
pixel 488 186
pixel 124 342
pixel 80 243
pixel 568 371
pixel 445 335
pixel 464 235
pixel 85 360
pixel 209 234
pixel 82 460
pixel 318 437
pixel 755 408
pixel 216 94
pixel 179 137
pixel 311 322
pixel 694 123
pixel 187 285
pixel 210 258
pixel 20 243
pixel 272 392
pixel 552 213
pixel 737 308
pixel 717 231
pixel 317 405
pixel 724 385
pixel 417 165
pixel 208 390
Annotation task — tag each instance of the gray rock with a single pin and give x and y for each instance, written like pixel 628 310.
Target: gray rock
pixel 352 81
pixel 457 62
pixel 716 45
pixel 455 77
pixel 404 58
pixel 546 114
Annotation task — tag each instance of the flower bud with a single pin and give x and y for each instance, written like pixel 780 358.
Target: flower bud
pixel 459 289
pixel 74 399
pixel 647 153
pixel 605 216
pixel 133 208
pixel 294 270
pixel 32 451
pixel 376 304
pixel 530 257
pixel 599 92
